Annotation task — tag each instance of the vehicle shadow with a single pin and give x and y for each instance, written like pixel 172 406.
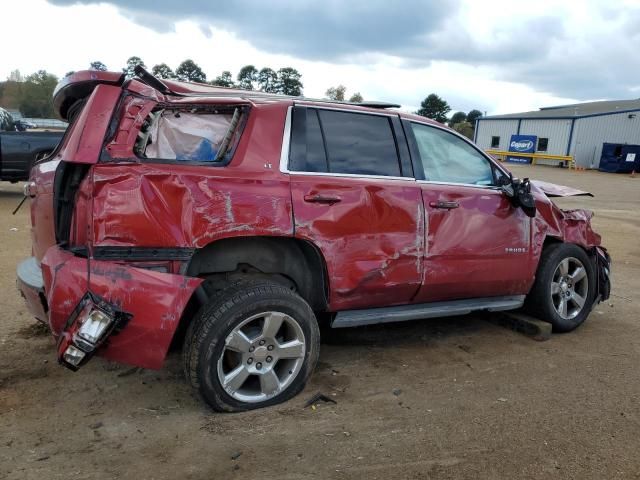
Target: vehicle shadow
pixel 406 333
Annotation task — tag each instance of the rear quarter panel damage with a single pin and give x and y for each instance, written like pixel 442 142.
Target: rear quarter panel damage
pixel 155 300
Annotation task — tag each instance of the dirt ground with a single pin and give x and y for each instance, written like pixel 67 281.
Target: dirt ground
pixel 445 398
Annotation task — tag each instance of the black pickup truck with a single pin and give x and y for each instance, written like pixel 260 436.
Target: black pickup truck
pixel 18 150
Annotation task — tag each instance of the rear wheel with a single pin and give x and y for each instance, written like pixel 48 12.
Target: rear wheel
pixel 255 344
pixel 564 288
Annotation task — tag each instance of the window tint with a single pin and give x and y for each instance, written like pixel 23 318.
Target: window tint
pixel 306 153
pixel 447 158
pixel 543 144
pixel 359 143
pixel 495 142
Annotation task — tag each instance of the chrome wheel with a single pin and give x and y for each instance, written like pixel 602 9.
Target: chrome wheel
pixel 261 357
pixel 569 288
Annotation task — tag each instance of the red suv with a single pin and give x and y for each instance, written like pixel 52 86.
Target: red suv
pixel 238 220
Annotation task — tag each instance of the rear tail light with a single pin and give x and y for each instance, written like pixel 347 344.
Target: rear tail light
pixel 73 355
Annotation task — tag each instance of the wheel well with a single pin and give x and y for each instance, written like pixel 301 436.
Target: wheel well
pixel 550 241
pixel 295 263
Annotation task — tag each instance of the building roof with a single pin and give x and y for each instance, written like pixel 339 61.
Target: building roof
pixel 575 110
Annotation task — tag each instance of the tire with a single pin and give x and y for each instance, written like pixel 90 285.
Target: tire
pixel 237 357
pixel 558 272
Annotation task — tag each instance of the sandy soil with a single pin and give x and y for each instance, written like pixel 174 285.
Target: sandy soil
pixel 445 398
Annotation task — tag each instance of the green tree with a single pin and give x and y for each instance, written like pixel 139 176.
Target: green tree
pixel 435 108
pixel 132 63
pixel 472 116
pixel 356 98
pixel 162 70
pixel 225 79
pixel 98 65
pixel 189 71
pixel 248 77
pixel 457 117
pixel 289 82
pixel 36 93
pixel 268 80
pixel 465 128
pixel 336 93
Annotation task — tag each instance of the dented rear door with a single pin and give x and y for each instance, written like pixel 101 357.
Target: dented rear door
pixel 353 202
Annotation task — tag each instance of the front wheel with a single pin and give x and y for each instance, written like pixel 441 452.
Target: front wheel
pixel 565 286
pixel 255 344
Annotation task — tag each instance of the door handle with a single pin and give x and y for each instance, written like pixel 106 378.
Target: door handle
pixel 324 199
pixel 448 205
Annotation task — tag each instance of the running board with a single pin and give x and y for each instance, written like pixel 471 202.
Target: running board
pixel 400 313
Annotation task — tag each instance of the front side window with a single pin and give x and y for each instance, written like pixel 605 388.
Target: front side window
pixel 342 142
pixel 447 158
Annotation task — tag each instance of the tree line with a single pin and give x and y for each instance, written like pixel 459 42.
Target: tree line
pixel 286 80
pixel 32 94
pixel 437 108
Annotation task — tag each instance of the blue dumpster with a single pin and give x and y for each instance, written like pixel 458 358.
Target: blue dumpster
pixel 620 158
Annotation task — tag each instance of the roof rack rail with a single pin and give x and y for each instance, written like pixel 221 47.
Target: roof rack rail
pixel 374 104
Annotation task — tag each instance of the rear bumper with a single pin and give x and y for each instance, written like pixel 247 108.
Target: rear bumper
pixel 31 286
pixel 146 305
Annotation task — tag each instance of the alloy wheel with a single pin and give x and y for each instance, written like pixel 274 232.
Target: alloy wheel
pixel 569 288
pixel 261 357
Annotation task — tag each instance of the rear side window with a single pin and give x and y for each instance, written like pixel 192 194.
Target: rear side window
pixel 447 158
pixel 343 142
pixel 207 136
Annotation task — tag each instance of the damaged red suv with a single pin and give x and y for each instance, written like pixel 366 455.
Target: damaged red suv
pixel 237 221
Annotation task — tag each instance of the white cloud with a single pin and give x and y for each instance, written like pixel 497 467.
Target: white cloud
pixel 63 38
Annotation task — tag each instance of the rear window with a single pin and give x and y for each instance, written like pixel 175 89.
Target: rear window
pixel 343 142
pixel 197 136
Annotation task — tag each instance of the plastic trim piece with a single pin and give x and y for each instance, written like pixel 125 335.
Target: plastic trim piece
pixel 401 313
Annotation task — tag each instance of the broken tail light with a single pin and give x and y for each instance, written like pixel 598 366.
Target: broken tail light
pixel 92 321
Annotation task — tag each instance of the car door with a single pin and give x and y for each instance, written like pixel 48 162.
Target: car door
pixel 354 197
pixel 477 242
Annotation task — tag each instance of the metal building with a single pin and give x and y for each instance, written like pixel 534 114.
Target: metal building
pixel 578 130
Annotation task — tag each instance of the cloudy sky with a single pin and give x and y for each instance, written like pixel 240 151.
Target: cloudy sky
pixel 497 56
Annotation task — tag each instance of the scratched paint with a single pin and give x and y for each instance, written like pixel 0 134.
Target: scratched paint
pixel 155 300
pixel 467 247
pixel 383 241
pixel 372 239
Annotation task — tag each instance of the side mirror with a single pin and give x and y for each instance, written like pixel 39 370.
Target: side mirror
pixel 525 198
pixel 519 191
pixel 506 185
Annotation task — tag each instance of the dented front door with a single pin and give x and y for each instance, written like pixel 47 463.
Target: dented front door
pixel 478 244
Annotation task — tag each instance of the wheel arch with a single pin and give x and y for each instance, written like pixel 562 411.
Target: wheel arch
pixel 298 260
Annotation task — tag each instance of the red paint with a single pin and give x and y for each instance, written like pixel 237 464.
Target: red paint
pixel 155 300
pixel 479 249
pixel 372 240
pixel 383 241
